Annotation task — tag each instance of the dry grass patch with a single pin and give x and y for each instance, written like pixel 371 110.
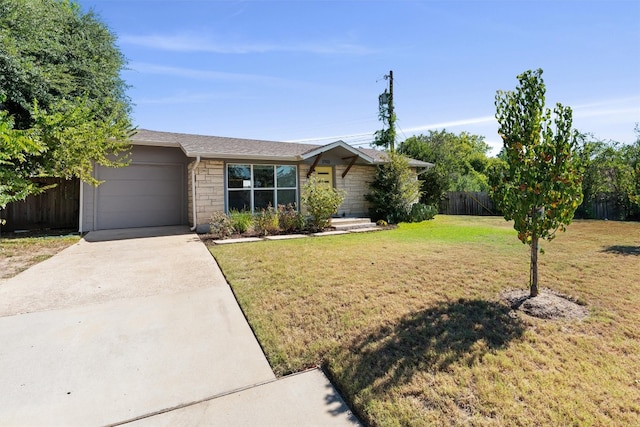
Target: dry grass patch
pixel 19 253
pixel 410 325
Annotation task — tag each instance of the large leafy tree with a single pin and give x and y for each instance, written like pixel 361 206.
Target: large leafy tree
pixel 612 174
pixel 540 188
pixel 460 162
pixel 62 100
pixel 15 147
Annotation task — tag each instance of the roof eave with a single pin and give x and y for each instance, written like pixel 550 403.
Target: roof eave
pixel 341 144
pixel 205 155
pixel 155 143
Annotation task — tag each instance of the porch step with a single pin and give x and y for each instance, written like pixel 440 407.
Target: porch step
pixel 343 224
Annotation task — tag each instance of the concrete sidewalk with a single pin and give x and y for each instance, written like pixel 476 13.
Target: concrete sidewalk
pixel 304 399
pixel 140 326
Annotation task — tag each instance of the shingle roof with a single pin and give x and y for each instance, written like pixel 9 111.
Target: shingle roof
pixel 240 148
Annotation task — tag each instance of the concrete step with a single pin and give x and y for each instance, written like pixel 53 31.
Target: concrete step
pixel 351 223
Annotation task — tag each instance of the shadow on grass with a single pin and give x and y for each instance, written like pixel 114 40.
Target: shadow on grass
pixel 429 341
pixel 622 250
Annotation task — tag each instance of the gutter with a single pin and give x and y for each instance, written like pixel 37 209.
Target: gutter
pixel 81 202
pixel 225 156
pixel 193 193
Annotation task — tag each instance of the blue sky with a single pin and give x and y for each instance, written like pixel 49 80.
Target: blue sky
pixel 311 71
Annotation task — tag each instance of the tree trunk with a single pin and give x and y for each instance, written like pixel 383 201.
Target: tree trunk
pixel 533 282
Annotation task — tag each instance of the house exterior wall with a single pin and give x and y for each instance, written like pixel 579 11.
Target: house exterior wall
pixel 210 192
pixel 87 211
pixel 207 194
pixel 355 184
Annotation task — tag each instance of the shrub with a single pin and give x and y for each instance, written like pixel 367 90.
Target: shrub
pixel 394 190
pixel 220 225
pixel 434 185
pixel 266 222
pixel 241 221
pixel 290 219
pixel 421 212
pixel 321 200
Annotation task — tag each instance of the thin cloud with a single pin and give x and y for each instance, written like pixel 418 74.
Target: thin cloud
pixel 454 123
pixel 412 130
pixel 633 100
pixel 345 138
pixel 609 112
pixel 621 109
pixel 200 43
pixel 191 73
pixel 190 98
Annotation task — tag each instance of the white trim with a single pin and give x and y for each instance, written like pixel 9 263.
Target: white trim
pixel 80 230
pixel 156 143
pixel 245 157
pixel 337 144
pixel 193 194
pixel 252 188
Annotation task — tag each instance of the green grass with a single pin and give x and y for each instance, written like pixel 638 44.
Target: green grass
pixel 409 324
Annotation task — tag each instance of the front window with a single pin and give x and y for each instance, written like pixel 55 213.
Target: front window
pixel 255 187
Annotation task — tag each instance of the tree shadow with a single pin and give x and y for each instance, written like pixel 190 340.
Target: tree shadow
pixel 622 250
pixel 430 341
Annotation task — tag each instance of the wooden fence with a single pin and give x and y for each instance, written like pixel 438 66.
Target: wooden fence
pixel 56 208
pixel 601 208
pixel 479 204
pixel 467 203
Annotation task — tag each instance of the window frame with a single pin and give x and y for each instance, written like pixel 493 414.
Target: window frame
pixel 252 188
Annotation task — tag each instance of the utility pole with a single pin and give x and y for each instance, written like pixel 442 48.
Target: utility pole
pixel 392 117
pixel 390 78
pixel 387 137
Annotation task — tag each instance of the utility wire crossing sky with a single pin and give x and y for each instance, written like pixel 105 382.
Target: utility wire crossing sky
pixel 312 71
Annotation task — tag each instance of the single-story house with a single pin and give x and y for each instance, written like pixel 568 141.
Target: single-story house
pixel 176 179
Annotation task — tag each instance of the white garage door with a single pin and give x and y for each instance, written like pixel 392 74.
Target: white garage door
pixel 140 195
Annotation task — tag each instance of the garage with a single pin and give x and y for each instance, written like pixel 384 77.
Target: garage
pixel 140 196
pixel 150 192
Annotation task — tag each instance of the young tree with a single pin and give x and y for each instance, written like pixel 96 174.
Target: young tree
pixel 61 89
pixel 540 188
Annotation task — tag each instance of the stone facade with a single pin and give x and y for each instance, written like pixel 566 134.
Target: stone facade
pixel 209 190
pixel 356 185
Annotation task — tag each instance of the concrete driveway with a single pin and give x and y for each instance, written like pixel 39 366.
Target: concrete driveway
pixel 140 326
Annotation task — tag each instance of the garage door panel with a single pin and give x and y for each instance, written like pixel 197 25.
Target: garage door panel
pixel 138 189
pixel 140 195
pixel 132 220
pixel 140 204
pixel 137 171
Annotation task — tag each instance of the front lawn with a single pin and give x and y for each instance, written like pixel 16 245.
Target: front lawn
pixel 19 253
pixel 410 326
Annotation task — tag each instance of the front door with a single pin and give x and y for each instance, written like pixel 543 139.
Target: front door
pixel 325 175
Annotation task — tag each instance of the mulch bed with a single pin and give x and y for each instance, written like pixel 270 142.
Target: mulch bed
pixel 547 305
